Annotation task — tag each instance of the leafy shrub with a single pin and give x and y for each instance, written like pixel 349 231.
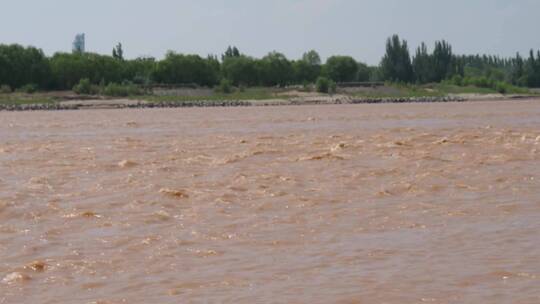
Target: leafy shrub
pixel 325 85
pixel 28 89
pixel 5 89
pixel 85 87
pixel 121 90
pixel 506 88
pixel 486 83
pixel 501 87
pixel 322 85
pixel 481 82
pixel 225 86
pixel 457 80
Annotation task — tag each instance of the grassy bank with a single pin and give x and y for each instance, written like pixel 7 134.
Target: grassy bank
pixel 430 90
pixel 279 95
pixel 208 95
pixel 26 99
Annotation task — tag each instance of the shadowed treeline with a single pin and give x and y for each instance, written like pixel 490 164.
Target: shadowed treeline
pixel 27 68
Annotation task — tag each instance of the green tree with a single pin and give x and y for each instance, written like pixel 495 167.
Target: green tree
pixel 341 68
pixel 236 52
pixel 312 58
pixel 364 72
pixel 186 69
pixel 423 65
pixel 68 69
pixel 375 74
pixel 140 70
pixel 325 85
pixel 396 64
pixel 240 70
pixel 443 61
pixel 224 86
pixel 532 70
pixel 517 71
pixel 20 66
pixel 275 69
pixel 118 52
pixel 308 68
pixel 215 65
pixel 230 52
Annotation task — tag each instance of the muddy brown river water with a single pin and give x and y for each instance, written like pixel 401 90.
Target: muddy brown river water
pixel 395 203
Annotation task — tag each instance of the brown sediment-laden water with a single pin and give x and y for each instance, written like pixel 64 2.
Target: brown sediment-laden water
pixel 391 203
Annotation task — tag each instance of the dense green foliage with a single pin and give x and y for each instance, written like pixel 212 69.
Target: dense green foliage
pixel 118 52
pixel 396 63
pixel 86 87
pixel 275 70
pixel 364 72
pixel 20 66
pixel 440 65
pixel 28 69
pixel 179 68
pixel 517 71
pixel 484 82
pixel 68 69
pixel 139 71
pixel 241 70
pixel 341 68
pixel 230 52
pixel 225 86
pixel 307 69
pixel 112 89
pixel 121 90
pixel 501 74
pixel 325 85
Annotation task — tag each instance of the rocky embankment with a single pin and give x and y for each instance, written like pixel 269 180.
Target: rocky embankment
pixel 409 99
pixel 37 107
pixel 73 105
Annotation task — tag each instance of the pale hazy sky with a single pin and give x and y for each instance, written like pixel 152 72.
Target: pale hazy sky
pixel 350 27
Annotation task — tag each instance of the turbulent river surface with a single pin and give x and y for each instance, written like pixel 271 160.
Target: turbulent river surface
pixel 395 203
